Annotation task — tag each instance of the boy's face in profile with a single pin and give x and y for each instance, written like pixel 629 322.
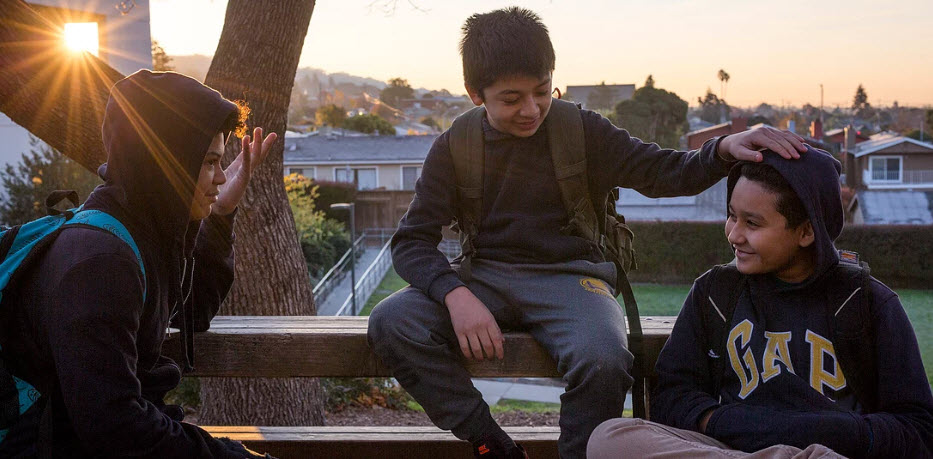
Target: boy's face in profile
pixel 517 104
pixel 760 238
pixel 210 178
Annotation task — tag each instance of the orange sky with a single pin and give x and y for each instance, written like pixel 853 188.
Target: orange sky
pixel 775 52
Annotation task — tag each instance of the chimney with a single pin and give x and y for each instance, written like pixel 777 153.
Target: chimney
pixel 816 130
pixel 849 139
pixel 739 124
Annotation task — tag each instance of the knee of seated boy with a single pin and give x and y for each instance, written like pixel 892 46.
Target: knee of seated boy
pixel 614 436
pixel 610 357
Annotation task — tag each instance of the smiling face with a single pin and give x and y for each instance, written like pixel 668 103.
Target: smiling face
pixel 515 105
pixel 761 239
pixel 210 178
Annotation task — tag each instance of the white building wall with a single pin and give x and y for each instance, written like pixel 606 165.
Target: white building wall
pixel 129 48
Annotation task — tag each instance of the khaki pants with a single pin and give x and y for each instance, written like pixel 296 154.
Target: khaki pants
pixel 637 438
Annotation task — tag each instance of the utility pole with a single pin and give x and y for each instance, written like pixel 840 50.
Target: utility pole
pixel 821 105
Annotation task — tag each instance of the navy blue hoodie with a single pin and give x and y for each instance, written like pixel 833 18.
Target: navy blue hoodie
pixel 87 341
pixel 782 383
pixel 523 212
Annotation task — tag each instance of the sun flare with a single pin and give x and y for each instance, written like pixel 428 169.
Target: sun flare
pixel 82 36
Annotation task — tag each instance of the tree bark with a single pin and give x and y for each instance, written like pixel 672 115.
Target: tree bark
pixel 256 61
pixel 57 95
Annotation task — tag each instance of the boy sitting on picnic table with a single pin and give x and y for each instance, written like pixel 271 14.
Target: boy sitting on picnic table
pixel 792 351
pixel 527 261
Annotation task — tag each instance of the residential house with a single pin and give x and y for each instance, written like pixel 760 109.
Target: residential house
pixel 612 93
pixel 116 31
pixel 372 162
pixel 835 138
pixel 892 177
pixel 696 139
pixel 708 206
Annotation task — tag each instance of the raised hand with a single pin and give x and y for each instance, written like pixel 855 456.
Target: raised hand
pixel 240 171
pixel 747 146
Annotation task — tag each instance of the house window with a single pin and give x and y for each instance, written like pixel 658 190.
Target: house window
pixel 886 168
pixel 410 175
pixel 365 178
pixel 307 172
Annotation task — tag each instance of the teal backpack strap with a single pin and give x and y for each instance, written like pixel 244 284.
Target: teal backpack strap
pixel 468 154
pixel 106 222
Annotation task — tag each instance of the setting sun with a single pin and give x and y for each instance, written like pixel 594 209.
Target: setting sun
pixel 82 36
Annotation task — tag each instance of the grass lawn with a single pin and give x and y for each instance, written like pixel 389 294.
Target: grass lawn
pixel 666 300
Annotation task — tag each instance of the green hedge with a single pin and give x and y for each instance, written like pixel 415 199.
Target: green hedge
pixel 678 252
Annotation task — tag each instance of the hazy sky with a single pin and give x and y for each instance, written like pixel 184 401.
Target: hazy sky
pixel 776 52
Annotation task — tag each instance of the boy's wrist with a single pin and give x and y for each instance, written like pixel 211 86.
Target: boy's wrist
pixel 722 153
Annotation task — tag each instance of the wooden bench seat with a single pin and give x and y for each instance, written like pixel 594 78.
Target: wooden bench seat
pixel 319 346
pixel 372 442
pixel 323 346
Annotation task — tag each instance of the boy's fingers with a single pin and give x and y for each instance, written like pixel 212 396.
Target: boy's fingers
pixel 498 343
pixel 780 145
pixel 741 153
pixel 488 348
pixel 475 346
pixel 464 345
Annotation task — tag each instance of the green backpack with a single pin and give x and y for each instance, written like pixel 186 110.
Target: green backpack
pixel 591 218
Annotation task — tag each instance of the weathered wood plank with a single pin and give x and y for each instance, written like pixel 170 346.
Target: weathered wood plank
pixel 336 346
pixel 355 442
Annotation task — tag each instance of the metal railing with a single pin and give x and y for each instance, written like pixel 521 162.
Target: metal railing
pixel 367 283
pixel 337 273
pixel 893 177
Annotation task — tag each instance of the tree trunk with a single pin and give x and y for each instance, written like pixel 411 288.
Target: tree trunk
pixel 256 61
pixel 57 95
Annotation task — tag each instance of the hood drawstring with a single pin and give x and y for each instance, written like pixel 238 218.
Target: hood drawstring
pixel 187 323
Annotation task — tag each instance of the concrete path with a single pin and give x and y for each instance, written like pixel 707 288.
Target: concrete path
pixel 341 292
pixel 544 390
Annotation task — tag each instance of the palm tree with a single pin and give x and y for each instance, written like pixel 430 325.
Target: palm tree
pixel 723 82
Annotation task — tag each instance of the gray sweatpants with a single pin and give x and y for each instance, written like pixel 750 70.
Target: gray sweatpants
pixel 569 308
pixel 626 437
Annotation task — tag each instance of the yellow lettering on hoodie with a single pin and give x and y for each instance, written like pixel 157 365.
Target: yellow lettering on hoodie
pixel 776 350
pixel 820 348
pixel 750 379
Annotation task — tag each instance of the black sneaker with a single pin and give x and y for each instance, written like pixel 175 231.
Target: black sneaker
pixel 488 450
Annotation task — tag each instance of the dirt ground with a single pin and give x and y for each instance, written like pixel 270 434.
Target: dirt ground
pixel 379 416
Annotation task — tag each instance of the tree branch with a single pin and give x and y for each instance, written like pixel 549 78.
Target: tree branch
pixel 59 96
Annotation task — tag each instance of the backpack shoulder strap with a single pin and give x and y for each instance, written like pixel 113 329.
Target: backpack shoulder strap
pixel 104 221
pixel 725 285
pixel 567 143
pixel 848 303
pixel 467 153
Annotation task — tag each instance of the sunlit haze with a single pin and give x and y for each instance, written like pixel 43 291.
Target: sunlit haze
pixel 82 36
pixel 774 52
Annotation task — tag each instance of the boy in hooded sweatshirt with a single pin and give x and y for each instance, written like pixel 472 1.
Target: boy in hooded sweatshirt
pixel 84 323
pixel 795 381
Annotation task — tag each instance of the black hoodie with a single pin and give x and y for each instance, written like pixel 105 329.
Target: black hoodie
pixel 87 341
pixel 781 383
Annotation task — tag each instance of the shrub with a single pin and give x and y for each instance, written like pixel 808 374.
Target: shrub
pixel 40 172
pixel 322 240
pixel 343 392
pixel 678 252
pixel 334 192
pixel 369 124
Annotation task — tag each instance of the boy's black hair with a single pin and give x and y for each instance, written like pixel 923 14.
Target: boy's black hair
pixel 788 203
pixel 505 42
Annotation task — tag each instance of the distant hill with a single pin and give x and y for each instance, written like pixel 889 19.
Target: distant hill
pixel 196 65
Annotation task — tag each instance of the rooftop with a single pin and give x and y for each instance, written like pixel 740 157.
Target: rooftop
pixel 896 207
pixel 342 149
